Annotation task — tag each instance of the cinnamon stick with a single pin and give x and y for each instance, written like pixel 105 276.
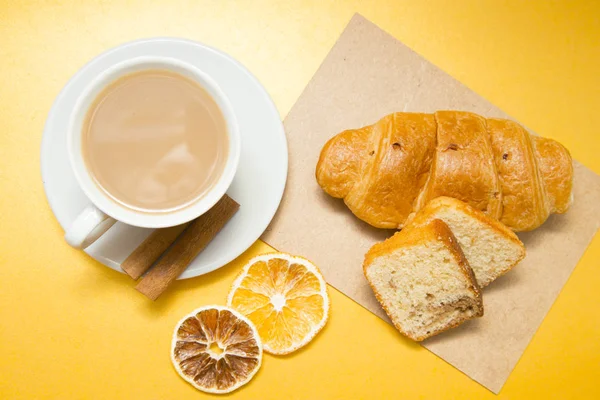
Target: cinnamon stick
pixel 186 247
pixel 146 254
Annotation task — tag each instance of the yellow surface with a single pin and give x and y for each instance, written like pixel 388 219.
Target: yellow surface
pixel 72 328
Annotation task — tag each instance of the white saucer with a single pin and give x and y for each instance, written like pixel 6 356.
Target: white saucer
pixel 257 186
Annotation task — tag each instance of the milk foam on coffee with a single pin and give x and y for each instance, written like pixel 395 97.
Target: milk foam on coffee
pixel 155 141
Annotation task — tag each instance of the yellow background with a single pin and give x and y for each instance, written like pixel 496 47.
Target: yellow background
pixel 72 328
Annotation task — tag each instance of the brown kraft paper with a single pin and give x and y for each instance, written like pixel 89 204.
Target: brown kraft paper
pixel 367 75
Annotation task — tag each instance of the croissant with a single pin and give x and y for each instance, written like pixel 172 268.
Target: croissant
pixel 387 171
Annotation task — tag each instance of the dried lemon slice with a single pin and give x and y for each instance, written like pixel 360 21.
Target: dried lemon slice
pixel 285 297
pixel 216 349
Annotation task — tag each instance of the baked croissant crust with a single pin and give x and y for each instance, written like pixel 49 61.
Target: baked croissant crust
pixel 387 171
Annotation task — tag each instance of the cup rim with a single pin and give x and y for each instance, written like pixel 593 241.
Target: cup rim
pixel 102 200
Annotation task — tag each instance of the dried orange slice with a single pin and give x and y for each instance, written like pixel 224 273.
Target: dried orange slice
pixel 216 349
pixel 285 297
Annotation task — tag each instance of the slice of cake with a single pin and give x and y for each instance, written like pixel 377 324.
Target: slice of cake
pixel 423 280
pixel 491 248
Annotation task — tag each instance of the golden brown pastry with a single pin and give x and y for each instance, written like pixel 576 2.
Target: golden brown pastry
pixel 387 171
pixel 556 168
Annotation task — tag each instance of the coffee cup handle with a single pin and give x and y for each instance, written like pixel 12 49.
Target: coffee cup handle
pixel 88 227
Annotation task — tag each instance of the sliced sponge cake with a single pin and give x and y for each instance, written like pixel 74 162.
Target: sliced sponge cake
pixel 490 247
pixel 423 281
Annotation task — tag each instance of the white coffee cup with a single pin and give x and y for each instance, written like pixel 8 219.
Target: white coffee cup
pixel 103 211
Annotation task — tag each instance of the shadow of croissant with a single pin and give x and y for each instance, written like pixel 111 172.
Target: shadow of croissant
pixel 554 223
pixel 337 206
